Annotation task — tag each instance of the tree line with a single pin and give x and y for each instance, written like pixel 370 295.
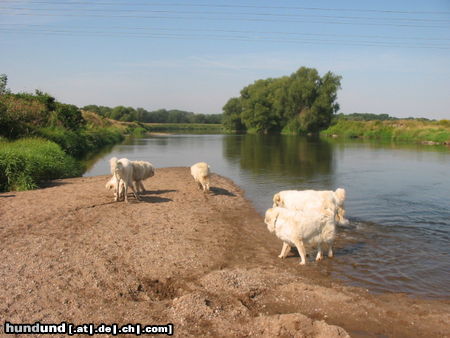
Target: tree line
pixel 300 103
pixel 130 114
pixel 374 117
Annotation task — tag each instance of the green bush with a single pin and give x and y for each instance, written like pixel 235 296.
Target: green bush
pixel 25 163
pixel 79 143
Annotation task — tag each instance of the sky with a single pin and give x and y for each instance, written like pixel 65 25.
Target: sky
pixel 393 56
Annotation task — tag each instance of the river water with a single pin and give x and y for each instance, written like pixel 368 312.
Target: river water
pixel 398 197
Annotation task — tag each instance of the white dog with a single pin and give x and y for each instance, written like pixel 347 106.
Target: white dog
pixel 123 171
pixel 200 172
pixel 296 227
pixel 141 171
pixel 312 199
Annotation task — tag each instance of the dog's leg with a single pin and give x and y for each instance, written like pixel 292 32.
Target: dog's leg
pixel 125 191
pixel 301 250
pixel 121 192
pixel 136 195
pixel 330 249
pixel 284 250
pixel 142 186
pixel 319 253
pixel 117 188
pixel 281 255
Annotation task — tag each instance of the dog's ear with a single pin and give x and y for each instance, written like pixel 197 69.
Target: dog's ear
pixel 268 219
pixel 276 200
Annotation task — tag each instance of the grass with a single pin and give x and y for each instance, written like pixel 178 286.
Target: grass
pixel 397 130
pixel 83 142
pixel 25 163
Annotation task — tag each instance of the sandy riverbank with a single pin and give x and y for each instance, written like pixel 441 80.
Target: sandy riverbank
pixel 205 263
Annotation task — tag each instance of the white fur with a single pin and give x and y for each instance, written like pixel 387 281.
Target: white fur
pixel 200 171
pixel 312 199
pixel 111 184
pixel 293 227
pixel 141 171
pixel 123 171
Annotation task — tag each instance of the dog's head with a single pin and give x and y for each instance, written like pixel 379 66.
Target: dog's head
pixel 109 185
pixel 270 218
pixel 340 196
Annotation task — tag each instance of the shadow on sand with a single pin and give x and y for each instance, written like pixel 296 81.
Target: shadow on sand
pixel 221 191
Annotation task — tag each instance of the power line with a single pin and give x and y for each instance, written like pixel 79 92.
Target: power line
pixel 218 18
pixel 282 33
pixel 235 13
pixel 236 6
pixel 180 36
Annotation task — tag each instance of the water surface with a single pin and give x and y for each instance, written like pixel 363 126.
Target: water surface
pixel 398 203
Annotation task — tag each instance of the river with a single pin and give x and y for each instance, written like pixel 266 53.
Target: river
pixel 398 197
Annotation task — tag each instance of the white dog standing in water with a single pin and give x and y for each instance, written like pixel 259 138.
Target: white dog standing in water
pixel 295 228
pixel 312 199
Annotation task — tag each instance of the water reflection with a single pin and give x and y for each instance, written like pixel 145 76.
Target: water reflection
pixel 289 156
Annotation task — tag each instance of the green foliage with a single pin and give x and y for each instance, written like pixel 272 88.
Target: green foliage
pixel 129 114
pixel 3 84
pixel 27 162
pixel 22 114
pixel 300 103
pixel 232 115
pixel 190 127
pixel 396 130
pixel 365 117
pixel 69 116
pixel 83 142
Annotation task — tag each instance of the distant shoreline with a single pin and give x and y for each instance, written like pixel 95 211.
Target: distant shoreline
pixel 424 132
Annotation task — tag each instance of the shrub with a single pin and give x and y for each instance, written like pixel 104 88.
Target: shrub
pixel 82 142
pixel 25 163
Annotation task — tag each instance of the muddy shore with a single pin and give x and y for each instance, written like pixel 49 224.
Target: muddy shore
pixel 205 263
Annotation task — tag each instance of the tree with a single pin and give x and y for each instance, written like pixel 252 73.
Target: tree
pixel 69 116
pixel 232 115
pixel 3 84
pixel 301 102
